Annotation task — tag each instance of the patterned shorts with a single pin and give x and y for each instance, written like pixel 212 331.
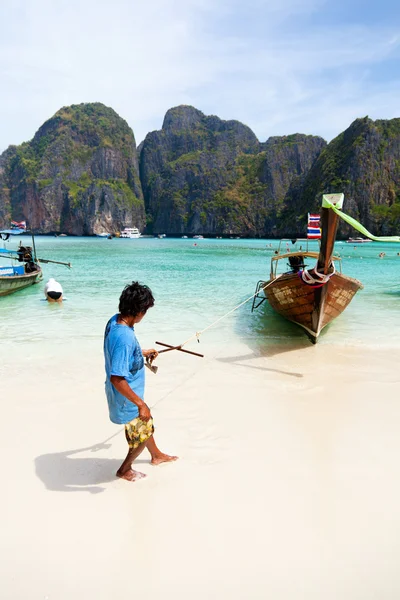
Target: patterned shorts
pixel 138 431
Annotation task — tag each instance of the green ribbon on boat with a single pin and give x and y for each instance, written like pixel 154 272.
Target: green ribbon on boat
pixel 388 238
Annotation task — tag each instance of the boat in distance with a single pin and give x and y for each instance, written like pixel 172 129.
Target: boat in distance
pixel 357 240
pixel 130 232
pixel 314 297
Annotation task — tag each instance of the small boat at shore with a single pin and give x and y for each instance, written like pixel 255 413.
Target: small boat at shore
pixel 311 298
pixel 14 278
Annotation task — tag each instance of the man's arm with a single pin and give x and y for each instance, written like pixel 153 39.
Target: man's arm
pixel 122 386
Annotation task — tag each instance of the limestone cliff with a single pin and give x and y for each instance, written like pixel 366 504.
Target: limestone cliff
pixel 199 174
pixel 363 162
pixel 184 165
pixel 266 179
pixel 78 175
pixel 204 175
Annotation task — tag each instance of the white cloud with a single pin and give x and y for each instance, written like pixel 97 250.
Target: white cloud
pixel 141 58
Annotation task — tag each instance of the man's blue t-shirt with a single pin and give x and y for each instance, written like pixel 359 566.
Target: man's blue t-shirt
pixel 124 358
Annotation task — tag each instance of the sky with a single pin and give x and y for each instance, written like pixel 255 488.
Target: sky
pixel 279 66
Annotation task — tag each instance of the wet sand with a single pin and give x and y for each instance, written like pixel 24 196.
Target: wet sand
pixel 287 486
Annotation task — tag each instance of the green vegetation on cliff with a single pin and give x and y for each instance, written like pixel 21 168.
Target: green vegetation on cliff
pixel 204 175
pixel 79 173
pixel 198 174
pixel 362 162
pixel 97 126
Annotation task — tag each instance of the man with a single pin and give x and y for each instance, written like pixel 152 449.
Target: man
pixel 125 379
pixel 53 291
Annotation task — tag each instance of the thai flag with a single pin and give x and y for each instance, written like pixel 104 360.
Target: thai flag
pixel 314 227
pixel 18 225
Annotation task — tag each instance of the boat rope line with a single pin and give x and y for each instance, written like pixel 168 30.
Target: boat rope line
pixel 197 336
pixel 354 223
pixel 198 333
pixel 316 279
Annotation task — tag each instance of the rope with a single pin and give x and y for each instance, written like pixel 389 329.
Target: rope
pixel 317 277
pixel 198 333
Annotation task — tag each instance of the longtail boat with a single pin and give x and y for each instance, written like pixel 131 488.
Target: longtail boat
pixel 314 297
pixel 28 272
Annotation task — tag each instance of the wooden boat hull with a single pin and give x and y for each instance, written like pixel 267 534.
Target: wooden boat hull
pixel 14 283
pixel 311 308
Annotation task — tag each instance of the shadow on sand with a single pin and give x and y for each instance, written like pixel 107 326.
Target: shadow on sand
pixel 61 472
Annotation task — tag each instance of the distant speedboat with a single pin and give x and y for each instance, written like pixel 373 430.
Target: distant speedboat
pixel 357 240
pixel 102 235
pixel 130 232
pixel 198 237
pixel 161 236
pixel 184 237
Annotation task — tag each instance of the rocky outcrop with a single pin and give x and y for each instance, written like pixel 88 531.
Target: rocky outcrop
pixel 267 179
pixel 363 162
pixel 204 175
pixel 286 158
pixel 199 174
pixel 185 164
pixel 79 174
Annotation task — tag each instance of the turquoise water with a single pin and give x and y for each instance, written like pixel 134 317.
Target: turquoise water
pixel 193 286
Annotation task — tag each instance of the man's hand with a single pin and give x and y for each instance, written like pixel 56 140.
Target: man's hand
pixel 150 354
pixel 144 412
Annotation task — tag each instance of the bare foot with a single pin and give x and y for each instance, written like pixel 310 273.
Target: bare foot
pixel 162 458
pixel 131 475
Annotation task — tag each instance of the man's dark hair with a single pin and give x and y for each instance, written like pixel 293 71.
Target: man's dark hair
pixel 135 299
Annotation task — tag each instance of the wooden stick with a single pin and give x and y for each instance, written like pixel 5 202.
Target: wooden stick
pixel 178 348
pixel 169 348
pixel 56 262
pixel 43 260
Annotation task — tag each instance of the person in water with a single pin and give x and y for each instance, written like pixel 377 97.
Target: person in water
pixel 125 379
pixel 53 291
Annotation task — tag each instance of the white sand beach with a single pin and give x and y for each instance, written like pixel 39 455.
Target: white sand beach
pixel 287 485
